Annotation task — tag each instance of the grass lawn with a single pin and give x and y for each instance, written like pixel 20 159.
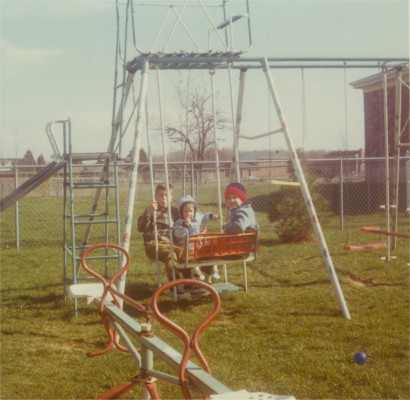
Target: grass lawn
pixel 285 335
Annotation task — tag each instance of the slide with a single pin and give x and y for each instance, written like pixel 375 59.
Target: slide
pixel 36 180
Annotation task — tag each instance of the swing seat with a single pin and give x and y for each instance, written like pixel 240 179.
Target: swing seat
pixel 365 247
pixel 370 229
pixel 376 229
pixel 218 248
pixel 206 249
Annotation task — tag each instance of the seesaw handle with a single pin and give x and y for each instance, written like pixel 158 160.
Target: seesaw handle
pixel 189 342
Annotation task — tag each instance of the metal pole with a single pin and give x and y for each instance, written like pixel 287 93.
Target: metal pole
pixel 239 106
pixel 192 178
pixel 342 221
pixel 236 170
pixel 218 175
pixel 165 151
pixel 97 193
pixel 147 364
pixel 126 238
pixel 387 161
pixel 306 195
pixel 397 134
pixel 152 179
pixel 16 210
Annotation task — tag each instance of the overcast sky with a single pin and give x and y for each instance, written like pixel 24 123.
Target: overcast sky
pixel 57 60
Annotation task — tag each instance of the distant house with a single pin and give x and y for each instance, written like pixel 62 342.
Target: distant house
pixel 374 110
pixel 350 159
pixel 8 163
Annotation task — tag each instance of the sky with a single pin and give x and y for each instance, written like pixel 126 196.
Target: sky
pixel 58 60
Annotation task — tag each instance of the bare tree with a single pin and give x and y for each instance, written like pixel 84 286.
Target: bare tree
pixel 28 158
pixel 195 128
pixel 41 160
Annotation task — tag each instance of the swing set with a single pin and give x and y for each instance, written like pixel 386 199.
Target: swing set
pixel 225 58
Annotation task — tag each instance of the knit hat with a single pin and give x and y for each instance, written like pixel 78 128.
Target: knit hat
pixel 186 200
pixel 238 189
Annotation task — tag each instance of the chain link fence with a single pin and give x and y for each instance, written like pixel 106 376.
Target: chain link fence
pixel 354 190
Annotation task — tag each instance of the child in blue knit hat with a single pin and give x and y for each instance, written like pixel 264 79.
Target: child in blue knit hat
pixel 194 222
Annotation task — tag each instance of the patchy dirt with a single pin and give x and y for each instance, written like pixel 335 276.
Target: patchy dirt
pixel 366 282
pixel 227 320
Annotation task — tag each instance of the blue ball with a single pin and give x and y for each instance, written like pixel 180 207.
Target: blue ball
pixel 360 358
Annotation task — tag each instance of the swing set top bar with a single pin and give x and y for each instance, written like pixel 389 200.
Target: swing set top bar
pixel 184 60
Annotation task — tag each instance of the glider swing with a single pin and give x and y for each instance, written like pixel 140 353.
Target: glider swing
pixel 364 247
pixel 223 248
pixel 214 248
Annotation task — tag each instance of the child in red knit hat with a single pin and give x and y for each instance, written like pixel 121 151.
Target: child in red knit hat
pixel 241 214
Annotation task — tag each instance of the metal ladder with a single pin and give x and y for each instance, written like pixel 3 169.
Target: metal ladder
pixel 77 223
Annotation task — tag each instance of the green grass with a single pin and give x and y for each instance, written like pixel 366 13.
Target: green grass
pixel 285 335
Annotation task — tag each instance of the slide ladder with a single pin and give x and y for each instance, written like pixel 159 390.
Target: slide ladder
pixel 103 216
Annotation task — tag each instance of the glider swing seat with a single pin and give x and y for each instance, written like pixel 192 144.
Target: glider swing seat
pixel 375 246
pixel 141 343
pixel 376 229
pixel 220 249
pixel 365 247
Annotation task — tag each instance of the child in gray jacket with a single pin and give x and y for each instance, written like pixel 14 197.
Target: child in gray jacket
pixel 241 214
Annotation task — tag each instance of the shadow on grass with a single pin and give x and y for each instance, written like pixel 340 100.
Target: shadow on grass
pixel 270 242
pixel 290 283
pixel 26 301
pixel 143 293
pixel 321 313
pixel 32 288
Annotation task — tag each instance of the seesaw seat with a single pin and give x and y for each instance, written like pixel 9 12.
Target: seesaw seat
pixel 89 291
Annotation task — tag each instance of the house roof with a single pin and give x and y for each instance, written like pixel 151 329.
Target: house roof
pixel 375 82
pixel 343 154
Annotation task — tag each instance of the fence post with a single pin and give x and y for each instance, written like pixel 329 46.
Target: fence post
pixel 341 196
pixel 407 180
pixel 16 209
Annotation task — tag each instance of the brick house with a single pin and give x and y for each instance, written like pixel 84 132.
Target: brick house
pixel 373 94
pixel 397 108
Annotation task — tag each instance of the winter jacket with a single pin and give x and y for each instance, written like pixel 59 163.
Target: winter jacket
pixel 147 226
pixel 195 226
pixel 240 219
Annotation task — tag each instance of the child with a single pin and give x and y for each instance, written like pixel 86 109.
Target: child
pixel 162 228
pixel 241 214
pixel 194 222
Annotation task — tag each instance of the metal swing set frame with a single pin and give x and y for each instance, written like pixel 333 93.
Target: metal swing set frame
pixel 227 60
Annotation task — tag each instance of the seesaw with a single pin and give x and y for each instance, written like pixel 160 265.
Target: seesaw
pixel 139 340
